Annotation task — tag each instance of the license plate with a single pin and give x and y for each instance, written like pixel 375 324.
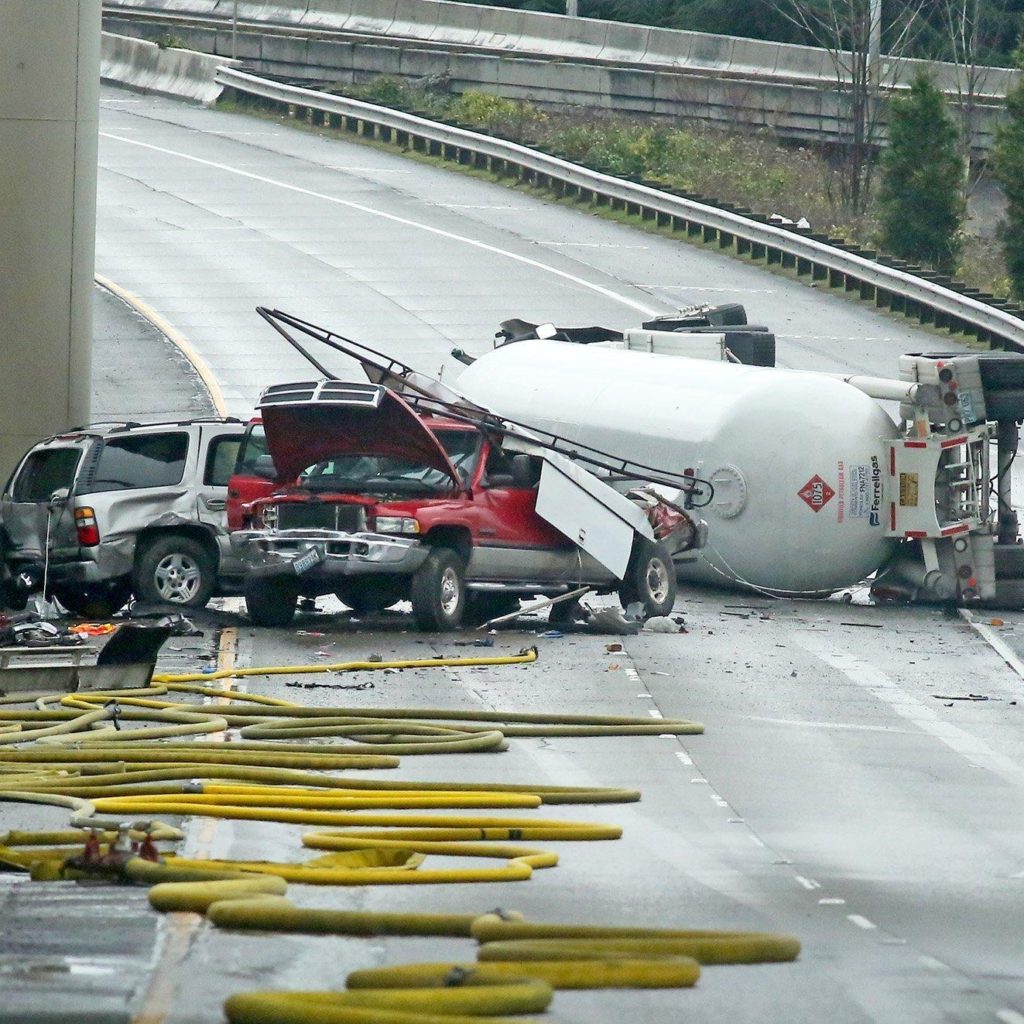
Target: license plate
pixel 305 562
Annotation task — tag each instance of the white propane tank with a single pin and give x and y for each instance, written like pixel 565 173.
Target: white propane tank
pixel 796 458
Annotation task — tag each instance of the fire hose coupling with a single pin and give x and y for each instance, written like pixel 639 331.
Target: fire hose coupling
pixel 113 710
pixel 192 786
pixel 458 975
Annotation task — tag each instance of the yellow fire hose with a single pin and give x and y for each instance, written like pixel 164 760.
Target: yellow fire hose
pixel 709 947
pixel 523 658
pixel 331 1008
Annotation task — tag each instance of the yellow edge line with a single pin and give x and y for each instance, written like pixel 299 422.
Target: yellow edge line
pixel 182 927
pixel 174 336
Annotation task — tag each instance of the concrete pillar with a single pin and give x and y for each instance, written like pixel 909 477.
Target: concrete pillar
pixel 49 111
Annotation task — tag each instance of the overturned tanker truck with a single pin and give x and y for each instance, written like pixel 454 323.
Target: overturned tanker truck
pixel 808 484
pixel 816 486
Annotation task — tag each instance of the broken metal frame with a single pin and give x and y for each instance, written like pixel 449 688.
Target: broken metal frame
pixel 433 396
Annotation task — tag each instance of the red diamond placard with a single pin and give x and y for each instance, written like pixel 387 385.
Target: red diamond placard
pixel 816 493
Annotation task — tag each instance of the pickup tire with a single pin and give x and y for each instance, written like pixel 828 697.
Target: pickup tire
pixel 372 594
pixel 97 600
pixel 438 591
pixel 270 601
pixel 175 569
pixel 650 579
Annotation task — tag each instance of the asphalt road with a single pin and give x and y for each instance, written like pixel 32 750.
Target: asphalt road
pixel 840 792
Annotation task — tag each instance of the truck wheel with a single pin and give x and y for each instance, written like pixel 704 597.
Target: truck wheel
pixel 270 602
pixel 372 594
pixel 650 579
pixel 438 591
pixel 174 569
pixel 97 600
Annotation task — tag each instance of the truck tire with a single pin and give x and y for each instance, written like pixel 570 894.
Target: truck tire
pixel 438 591
pixel 270 601
pixel 175 569
pixel 97 600
pixel 371 594
pixel 650 579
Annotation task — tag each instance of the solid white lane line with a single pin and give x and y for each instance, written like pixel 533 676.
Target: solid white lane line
pixel 997 643
pixel 394 218
pixel 976 751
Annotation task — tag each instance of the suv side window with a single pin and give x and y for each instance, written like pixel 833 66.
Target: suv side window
pixel 45 472
pixel 142 460
pixel 220 460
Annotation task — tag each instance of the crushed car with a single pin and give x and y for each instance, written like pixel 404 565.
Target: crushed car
pixel 381 497
pixel 96 514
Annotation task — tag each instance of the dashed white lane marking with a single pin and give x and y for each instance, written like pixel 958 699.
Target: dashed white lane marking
pixel 932 963
pixel 756 841
pixel 831 901
pixel 394 218
pixel 976 751
pixel 718 800
pixel 861 922
pixel 1008 1016
pixel 685 758
pixel 808 883
pixel 655 713
pixel 699 781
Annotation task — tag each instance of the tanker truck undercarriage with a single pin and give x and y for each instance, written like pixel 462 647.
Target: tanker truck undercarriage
pixel 815 487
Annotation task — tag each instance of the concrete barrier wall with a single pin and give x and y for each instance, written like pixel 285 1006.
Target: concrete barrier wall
pixel 441 22
pixel 680 84
pixel 184 74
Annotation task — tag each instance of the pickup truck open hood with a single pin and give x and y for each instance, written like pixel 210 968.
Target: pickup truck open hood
pixel 308 422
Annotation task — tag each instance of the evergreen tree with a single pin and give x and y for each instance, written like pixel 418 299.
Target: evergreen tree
pixel 1008 161
pixel 921 198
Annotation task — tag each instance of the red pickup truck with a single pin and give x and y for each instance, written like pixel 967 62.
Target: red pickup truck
pixel 378 502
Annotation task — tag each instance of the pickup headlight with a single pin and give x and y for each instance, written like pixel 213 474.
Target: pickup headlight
pixel 269 517
pixel 396 524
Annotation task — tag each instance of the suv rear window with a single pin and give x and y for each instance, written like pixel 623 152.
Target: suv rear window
pixel 44 472
pixel 144 460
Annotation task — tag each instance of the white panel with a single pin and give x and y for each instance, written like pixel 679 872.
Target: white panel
pixel 589 513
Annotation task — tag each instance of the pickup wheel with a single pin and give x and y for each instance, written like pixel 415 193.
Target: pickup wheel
pixel 372 594
pixel 175 569
pixel 270 602
pixel 650 579
pixel 97 600
pixel 438 591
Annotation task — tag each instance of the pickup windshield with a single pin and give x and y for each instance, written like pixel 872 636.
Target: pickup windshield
pixel 384 474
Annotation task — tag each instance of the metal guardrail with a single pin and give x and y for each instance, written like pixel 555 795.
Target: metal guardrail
pixel 889 285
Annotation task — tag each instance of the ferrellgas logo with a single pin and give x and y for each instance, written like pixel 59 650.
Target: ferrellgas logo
pixel 816 493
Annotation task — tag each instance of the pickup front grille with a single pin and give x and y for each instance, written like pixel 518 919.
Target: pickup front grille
pixel 321 515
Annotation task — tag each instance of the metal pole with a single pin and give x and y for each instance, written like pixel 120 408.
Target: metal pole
pixel 875 45
pixel 572 8
pixel 234 31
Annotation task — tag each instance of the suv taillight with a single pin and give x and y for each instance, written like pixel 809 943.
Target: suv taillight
pixel 85 524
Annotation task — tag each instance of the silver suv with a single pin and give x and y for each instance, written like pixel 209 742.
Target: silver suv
pixel 99 513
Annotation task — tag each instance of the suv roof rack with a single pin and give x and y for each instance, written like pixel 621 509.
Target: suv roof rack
pixel 109 425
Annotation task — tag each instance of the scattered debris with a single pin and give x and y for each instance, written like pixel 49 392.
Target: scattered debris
pixel 613 648
pixel 662 624
pixel 864 625
pixel 552 634
pixel 368 685
pixel 970 696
